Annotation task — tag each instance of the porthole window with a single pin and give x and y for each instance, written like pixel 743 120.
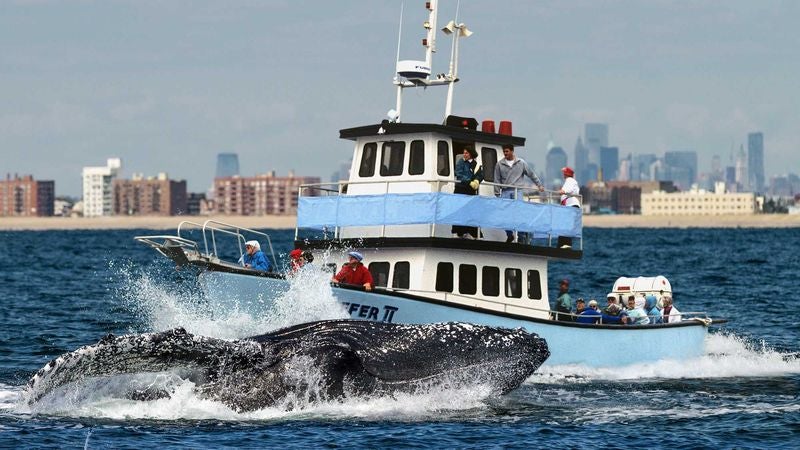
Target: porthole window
pixel 444 277
pixel 380 273
pixel 467 279
pixel 401 277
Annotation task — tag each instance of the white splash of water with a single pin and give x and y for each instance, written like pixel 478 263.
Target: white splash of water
pixel 727 355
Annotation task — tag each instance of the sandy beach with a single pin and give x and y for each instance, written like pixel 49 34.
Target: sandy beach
pixel 288 222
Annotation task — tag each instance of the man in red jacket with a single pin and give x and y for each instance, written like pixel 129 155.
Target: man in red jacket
pixel 354 272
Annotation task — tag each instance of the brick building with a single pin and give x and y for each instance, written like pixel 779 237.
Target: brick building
pixel 26 196
pixel 259 195
pixel 154 196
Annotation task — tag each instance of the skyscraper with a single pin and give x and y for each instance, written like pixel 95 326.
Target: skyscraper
pixel 755 161
pixel 596 135
pixel 98 188
pixel 640 170
pixel 609 162
pixel 227 165
pixel 742 177
pixel 682 167
pixel 556 159
pixel 581 160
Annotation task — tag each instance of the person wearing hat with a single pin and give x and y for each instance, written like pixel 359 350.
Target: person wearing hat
pixel 564 302
pixel 295 260
pixel 468 178
pixel 590 314
pixel 512 171
pixel 353 272
pixel 253 257
pixel 569 197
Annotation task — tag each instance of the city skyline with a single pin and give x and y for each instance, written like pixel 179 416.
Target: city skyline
pixel 166 87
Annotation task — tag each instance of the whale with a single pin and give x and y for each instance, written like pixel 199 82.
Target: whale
pixel 323 360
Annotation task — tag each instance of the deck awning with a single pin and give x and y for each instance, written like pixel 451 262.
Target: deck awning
pixel 438 208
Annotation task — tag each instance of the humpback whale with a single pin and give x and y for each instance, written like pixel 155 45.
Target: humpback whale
pixel 350 359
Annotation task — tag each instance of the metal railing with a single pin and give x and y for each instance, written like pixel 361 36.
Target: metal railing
pixel 528 194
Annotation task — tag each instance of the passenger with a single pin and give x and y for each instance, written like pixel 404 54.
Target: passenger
pixel 353 272
pixel 569 197
pixel 670 313
pixel 580 306
pixel 591 314
pixel 564 302
pixel 253 257
pixel 296 261
pixel 613 315
pixel 636 314
pixel 611 299
pixel 512 171
pixel 468 178
pixel 652 310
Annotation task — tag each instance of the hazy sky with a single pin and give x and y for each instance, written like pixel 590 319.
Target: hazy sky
pixel 166 85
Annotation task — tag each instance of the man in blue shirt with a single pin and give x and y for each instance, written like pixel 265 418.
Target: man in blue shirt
pixel 253 257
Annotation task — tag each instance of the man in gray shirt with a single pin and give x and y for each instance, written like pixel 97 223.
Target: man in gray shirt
pixel 512 171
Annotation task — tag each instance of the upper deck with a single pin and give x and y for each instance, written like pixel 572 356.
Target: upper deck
pixel 401 188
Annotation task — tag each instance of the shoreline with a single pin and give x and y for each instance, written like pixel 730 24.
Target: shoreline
pixel 288 222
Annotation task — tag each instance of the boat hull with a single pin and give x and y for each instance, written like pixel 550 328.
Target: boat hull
pixel 569 343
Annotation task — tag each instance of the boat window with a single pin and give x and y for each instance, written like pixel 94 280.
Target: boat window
pixel 380 273
pixel 402 271
pixel 416 158
pixel 467 279
pixel 443 159
pixel 444 277
pixel 491 281
pixel 367 166
pixel 488 161
pixel 392 156
pixel 513 283
pixel 534 285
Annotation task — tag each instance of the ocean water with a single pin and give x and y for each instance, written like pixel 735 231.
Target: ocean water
pixel 60 290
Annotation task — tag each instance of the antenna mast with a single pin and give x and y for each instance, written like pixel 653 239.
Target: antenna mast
pixel 412 73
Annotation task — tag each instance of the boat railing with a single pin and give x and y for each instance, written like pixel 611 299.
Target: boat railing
pixel 209 230
pixel 526 194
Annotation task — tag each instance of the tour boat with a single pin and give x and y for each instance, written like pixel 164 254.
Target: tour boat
pixel 397 208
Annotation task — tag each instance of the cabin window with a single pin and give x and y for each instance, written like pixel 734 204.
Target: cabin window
pixel 329 267
pixel 402 272
pixel 443 159
pixel 380 273
pixel 444 277
pixel 416 158
pixel 488 161
pixel 534 285
pixel 467 279
pixel 513 283
pixel 367 166
pixel 392 156
pixel 491 281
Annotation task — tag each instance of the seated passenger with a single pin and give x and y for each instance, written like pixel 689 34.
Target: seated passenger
pixel 670 313
pixel 636 314
pixel 613 315
pixel 295 260
pixel 591 314
pixel 652 310
pixel 353 272
pixel 580 306
pixel 253 257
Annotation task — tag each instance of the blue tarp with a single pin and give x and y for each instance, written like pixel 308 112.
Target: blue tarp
pixel 438 208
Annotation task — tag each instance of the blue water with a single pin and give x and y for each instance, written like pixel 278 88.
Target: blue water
pixel 64 289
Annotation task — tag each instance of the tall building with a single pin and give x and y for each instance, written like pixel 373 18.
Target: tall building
pixel 98 188
pixel 26 196
pixel 227 165
pixel 609 162
pixel 556 159
pixel 681 167
pixel 755 161
pixel 596 136
pixel 640 167
pixel 581 161
pixel 153 196
pixel 259 195
pixel 742 177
